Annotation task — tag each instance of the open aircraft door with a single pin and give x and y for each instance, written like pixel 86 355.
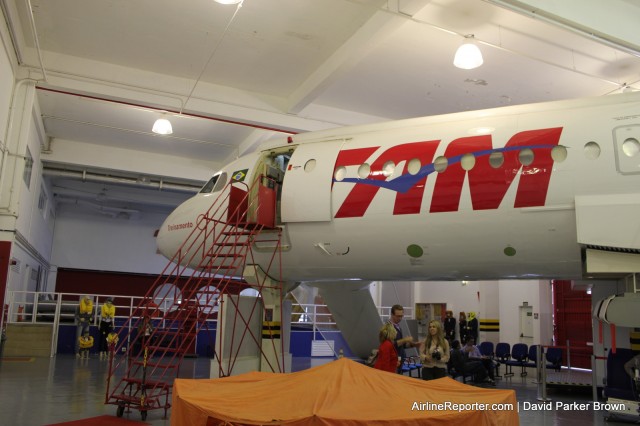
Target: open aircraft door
pixel 306 190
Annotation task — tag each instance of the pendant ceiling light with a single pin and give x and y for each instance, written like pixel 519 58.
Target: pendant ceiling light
pixel 468 55
pixel 228 1
pixel 162 126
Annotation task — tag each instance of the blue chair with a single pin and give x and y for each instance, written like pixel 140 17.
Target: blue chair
pixel 554 358
pixel 532 357
pixel 503 352
pixel 502 355
pixel 486 349
pixel 519 353
pixel 619 385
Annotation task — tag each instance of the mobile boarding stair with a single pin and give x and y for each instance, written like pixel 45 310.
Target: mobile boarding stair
pixel 163 329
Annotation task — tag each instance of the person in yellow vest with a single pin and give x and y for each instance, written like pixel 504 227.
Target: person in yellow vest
pixel 107 315
pixel 84 316
pixel 86 343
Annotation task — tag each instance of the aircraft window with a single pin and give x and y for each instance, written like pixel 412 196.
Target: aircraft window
pixel 388 168
pixel 363 171
pixel 496 159
pixel 559 153
pixel 440 164
pixel 310 165
pixel 592 150
pixel 468 161
pixel 414 166
pixel 631 147
pixel 208 187
pixel 340 173
pixel 526 157
pixel 221 182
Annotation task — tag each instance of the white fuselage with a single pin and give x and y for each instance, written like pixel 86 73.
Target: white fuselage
pixel 475 195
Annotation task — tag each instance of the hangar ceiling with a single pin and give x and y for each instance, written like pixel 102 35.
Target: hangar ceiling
pixel 230 77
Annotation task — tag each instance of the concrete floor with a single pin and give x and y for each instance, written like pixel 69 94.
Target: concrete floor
pixel 41 391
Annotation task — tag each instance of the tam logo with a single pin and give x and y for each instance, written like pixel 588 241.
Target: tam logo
pixel 488 185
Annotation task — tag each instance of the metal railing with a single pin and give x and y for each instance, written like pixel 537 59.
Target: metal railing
pixel 29 307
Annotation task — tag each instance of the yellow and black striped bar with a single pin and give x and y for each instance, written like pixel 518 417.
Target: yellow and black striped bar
pixel 271 329
pixel 634 340
pixel 489 325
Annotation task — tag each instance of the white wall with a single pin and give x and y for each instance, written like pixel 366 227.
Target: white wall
pixel 85 240
pixel 6 86
pixel 35 225
pixel 494 300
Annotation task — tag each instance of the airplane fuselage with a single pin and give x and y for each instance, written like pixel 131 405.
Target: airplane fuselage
pixel 476 195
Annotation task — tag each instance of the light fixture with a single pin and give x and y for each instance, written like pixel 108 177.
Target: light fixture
pixel 468 55
pixel 162 126
pixel 228 1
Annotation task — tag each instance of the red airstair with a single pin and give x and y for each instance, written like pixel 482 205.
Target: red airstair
pixel 163 328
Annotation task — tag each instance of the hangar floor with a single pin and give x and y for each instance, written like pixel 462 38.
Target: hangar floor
pixel 41 391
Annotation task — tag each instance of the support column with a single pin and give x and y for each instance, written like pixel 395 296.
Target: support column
pixel 276 320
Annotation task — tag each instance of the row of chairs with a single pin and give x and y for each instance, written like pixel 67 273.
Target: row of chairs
pixel 521 355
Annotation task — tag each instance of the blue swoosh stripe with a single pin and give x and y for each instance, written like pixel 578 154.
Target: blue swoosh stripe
pixel 406 181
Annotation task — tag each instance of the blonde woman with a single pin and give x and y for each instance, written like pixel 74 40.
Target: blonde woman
pixel 434 353
pixel 388 359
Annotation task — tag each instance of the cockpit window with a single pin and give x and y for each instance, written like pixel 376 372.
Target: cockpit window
pixel 222 181
pixel 215 184
pixel 208 187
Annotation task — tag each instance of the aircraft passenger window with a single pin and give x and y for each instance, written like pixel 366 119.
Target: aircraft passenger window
pixel 340 173
pixel 208 187
pixel 526 157
pixel 468 161
pixel 222 181
pixel 441 163
pixel 592 150
pixel 388 168
pixel 496 159
pixel 559 153
pixel 631 147
pixel 414 166
pixel 310 165
pixel 363 171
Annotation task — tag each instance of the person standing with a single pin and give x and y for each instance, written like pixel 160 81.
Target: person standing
pixel 401 342
pixel 84 315
pixel 450 327
pixel 434 353
pixel 472 327
pixel 388 359
pixel 107 315
pixel 462 326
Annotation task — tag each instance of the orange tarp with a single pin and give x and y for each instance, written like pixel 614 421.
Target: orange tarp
pixel 341 392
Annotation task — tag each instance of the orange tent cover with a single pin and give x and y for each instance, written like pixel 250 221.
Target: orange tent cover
pixel 341 392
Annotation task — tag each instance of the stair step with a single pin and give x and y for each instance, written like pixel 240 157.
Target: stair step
pixel 156 384
pixel 156 364
pixel 239 232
